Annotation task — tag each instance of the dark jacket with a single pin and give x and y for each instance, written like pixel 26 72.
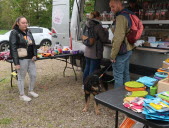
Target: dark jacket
pixel 101 36
pixel 16 40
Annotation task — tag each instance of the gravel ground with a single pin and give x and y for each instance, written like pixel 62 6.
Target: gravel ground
pixel 59 105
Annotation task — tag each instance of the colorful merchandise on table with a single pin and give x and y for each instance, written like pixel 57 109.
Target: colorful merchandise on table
pixel 46 51
pixel 148 81
pixel 161 75
pixel 167 60
pixel 134 86
pixel 137 94
pixel 156 109
pixel 5 55
pixel 153 90
pixel 166 70
pixel 135 89
pixel 163 95
pixel 75 51
pixel 135 103
pixel 153 108
pixel 46 54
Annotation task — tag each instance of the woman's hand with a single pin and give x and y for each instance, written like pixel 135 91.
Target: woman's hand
pixel 17 67
pixel 113 61
pixel 34 58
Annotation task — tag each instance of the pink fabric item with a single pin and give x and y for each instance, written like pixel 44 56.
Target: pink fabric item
pixel 136 104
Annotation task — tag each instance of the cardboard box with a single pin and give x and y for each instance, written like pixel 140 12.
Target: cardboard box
pixel 163 85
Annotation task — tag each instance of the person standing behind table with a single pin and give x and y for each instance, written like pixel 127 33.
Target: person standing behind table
pixel 21 37
pixel 120 63
pixel 94 54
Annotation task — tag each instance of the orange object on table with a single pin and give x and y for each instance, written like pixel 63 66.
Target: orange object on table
pixel 46 54
pixel 163 70
pixel 135 89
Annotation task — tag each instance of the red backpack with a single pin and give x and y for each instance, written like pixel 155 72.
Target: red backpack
pixel 136 28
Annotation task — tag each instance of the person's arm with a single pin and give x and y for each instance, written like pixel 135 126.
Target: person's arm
pixel 34 47
pixel 13 47
pixel 119 35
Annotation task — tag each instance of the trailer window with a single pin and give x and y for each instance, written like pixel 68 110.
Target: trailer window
pixel 36 30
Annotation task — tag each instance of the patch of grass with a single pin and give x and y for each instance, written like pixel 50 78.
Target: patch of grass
pixel 3 31
pixel 5 121
pixel 50 125
pixel 5 80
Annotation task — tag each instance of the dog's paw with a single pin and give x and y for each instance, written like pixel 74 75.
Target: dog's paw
pixel 97 112
pixel 84 110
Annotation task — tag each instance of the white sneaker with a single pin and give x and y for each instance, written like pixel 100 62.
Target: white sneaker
pixel 83 86
pixel 25 98
pixel 33 94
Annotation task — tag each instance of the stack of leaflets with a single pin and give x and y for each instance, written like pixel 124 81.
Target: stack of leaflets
pixel 156 109
pixel 148 81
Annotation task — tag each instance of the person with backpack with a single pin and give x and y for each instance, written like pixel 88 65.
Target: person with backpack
pixel 121 48
pixel 96 36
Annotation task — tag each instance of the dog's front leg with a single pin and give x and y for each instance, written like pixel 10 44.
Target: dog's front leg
pixel 87 99
pixel 96 106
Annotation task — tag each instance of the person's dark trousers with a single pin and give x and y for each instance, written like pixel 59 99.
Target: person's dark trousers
pixel 91 66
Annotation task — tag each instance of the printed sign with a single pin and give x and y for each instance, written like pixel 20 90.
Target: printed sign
pixel 58 16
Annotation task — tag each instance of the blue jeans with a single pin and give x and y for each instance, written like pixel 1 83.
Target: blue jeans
pixel 121 69
pixel 91 66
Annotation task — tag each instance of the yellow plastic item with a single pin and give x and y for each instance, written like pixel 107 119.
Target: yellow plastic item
pixel 14 73
pixel 167 60
pixel 156 106
pixel 128 99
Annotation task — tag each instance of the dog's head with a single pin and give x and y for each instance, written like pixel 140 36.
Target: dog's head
pixel 92 82
pixel 97 81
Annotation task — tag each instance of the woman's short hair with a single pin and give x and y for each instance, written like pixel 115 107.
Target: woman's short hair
pixel 94 14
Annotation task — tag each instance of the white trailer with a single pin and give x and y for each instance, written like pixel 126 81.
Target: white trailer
pixel 148 59
pixel 60 22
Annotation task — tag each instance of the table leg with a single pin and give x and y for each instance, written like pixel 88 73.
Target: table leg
pixel 11 75
pixel 65 68
pixel 74 69
pixel 69 67
pixel 145 126
pixel 116 119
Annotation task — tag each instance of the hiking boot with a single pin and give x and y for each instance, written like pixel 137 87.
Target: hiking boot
pixel 33 94
pixel 25 98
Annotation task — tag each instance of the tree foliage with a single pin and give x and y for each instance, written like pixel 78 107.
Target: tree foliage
pixel 89 6
pixel 38 12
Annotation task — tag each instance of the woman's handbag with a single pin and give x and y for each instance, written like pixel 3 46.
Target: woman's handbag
pixel 22 52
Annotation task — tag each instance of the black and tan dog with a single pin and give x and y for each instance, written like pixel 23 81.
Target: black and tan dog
pixel 94 84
